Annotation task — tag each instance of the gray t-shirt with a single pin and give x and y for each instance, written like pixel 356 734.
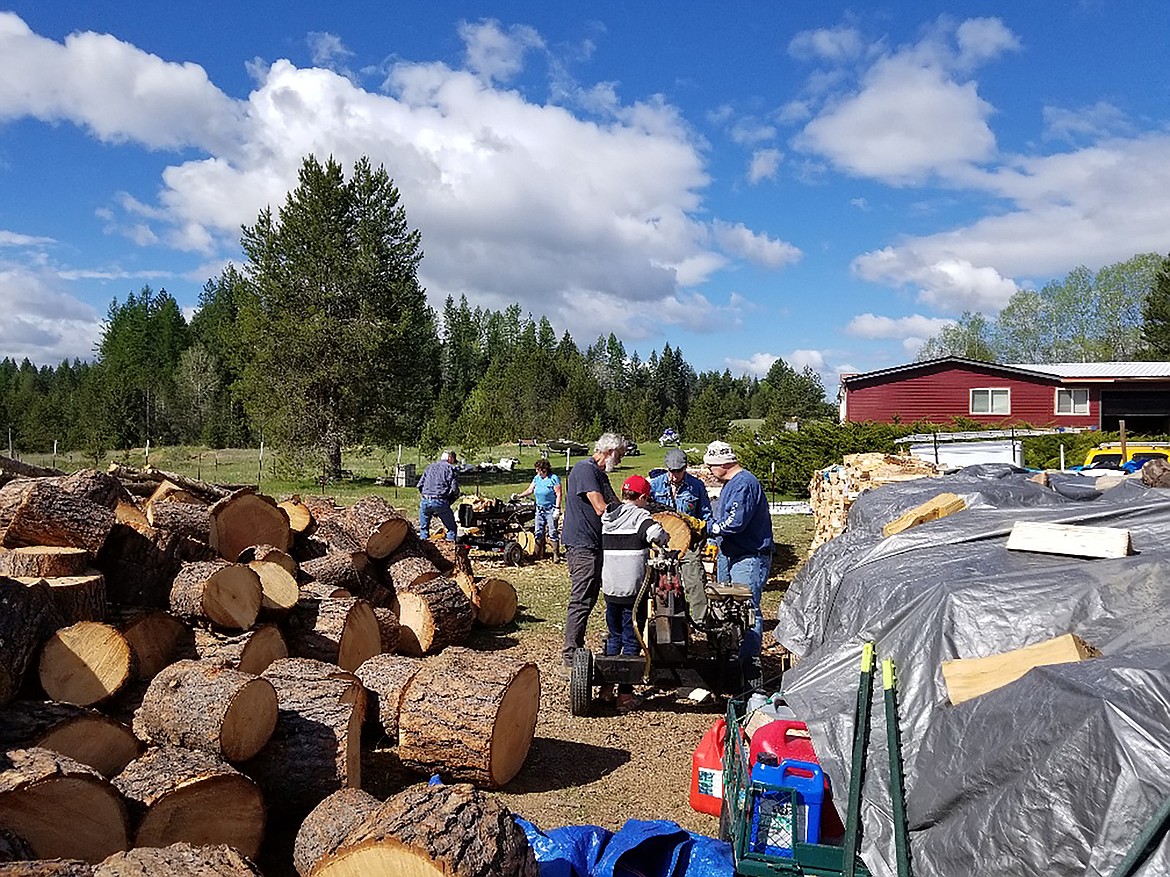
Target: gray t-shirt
pixel 582 526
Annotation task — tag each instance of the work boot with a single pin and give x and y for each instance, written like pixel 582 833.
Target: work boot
pixel 538 554
pixel 556 551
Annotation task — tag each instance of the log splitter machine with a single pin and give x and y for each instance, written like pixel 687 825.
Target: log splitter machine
pixel 492 525
pixel 670 656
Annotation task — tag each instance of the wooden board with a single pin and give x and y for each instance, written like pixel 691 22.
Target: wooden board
pixel 970 677
pixel 934 508
pixel 1070 539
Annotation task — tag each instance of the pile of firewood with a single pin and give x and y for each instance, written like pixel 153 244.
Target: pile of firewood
pixel 832 490
pixel 184 666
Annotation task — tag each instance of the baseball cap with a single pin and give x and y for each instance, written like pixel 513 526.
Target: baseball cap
pixel 719 454
pixel 637 484
pixel 676 459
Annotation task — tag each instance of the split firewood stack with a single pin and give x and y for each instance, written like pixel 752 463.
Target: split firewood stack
pixel 185 666
pixel 833 490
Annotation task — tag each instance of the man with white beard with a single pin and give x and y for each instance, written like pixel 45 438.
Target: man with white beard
pixel 586 497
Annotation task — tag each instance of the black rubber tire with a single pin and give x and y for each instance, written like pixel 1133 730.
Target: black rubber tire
pixel 581 683
pixel 513 554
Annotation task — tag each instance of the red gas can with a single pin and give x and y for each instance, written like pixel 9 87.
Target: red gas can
pixel 788 740
pixel 707 770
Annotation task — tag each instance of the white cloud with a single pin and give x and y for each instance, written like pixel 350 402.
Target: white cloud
pixel 115 90
pixel 836 45
pixel 327 50
pixel 42 322
pixel 910 115
pixel 764 165
pixel 802 359
pixel 495 54
pixel 948 284
pixel 1095 122
pixel 860 203
pixel 740 240
pixel 876 326
pixel 749 132
pixel 758 364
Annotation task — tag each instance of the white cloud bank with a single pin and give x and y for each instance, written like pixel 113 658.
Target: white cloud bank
pixel 582 218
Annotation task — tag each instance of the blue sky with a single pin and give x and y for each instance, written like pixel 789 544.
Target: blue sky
pixel 821 182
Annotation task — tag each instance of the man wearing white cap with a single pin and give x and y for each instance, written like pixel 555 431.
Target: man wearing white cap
pixel 439 486
pixel 743 526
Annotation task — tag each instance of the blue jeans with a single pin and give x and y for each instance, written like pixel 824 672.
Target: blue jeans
pixel 429 508
pixel 545 520
pixel 751 570
pixel 619 618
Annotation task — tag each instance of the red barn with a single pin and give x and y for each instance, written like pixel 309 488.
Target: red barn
pixel 1088 394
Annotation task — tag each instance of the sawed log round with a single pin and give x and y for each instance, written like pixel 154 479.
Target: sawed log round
pixel 247 518
pixel 27 616
pixel 227 594
pixel 86 663
pixel 341 630
pixel 178 860
pixel 201 706
pixel 176 795
pixel 328 824
pixel 433 615
pixel 378 527
pixel 62 808
pixel 43 561
pixel 469 716
pixel 454 831
pixel 248 652
pixel 84 735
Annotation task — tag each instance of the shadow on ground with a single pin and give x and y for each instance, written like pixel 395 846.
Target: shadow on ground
pixel 559 764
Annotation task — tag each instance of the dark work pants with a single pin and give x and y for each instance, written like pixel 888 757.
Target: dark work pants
pixel 584 567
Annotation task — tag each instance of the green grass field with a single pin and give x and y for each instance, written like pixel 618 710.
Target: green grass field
pixel 244 466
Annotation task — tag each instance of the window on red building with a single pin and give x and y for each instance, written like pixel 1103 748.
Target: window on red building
pixel 991 401
pixel 1072 401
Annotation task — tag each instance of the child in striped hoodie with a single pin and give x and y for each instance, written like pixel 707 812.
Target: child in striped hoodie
pixel 627 530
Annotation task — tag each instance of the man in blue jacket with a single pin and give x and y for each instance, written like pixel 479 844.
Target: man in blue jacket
pixel 439 486
pixel 679 491
pixel 743 525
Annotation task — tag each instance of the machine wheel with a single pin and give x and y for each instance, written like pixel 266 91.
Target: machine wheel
pixel 513 554
pixel 581 682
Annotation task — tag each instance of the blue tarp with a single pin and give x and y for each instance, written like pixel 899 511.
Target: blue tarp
pixel 640 848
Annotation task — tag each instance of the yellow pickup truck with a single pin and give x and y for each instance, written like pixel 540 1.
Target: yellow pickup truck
pixel 1108 454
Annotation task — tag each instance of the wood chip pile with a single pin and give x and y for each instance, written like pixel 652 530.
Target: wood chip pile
pixel 833 490
pixel 186 668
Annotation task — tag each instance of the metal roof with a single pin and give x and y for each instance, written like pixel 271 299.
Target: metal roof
pixel 1099 370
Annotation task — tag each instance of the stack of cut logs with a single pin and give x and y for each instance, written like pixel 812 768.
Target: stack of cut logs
pixel 182 670
pixel 833 489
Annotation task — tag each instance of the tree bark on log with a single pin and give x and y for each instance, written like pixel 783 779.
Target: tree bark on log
pixel 47 868
pixel 187 519
pixel 98 487
pixel 247 518
pixel 44 561
pixel 156 637
pixel 347 571
pixel 409 568
pixel 342 631
pixel 227 594
pixel 38 512
pixel 199 705
pixel 84 735
pixel 209 493
pixel 328 824
pixel 300 516
pixel 433 615
pixel 386 678
pixel 321 591
pixel 496 602
pixel 86 663
pixel 249 652
pixel 168 491
pixel 469 716
pixel 454 830
pixel 10 469
pixel 178 860
pixel 27 617
pixel 62 808
pixel 179 795
pixel 323 508
pixel 333 533
pixel 318 730
pixel 448 557
pixel 77 598
pixel 269 554
pixel 378 527
pixel 388 627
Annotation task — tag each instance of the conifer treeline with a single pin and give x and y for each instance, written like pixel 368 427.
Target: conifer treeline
pixel 498 376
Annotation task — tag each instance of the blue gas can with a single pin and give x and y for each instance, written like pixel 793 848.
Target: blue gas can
pixel 786 805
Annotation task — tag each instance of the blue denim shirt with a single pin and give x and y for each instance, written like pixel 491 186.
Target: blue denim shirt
pixel 690 497
pixel 742 520
pixel 439 480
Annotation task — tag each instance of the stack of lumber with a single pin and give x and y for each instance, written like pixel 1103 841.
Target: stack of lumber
pixel 180 665
pixel 834 489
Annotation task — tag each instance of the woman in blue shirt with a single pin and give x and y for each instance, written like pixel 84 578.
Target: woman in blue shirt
pixel 546 490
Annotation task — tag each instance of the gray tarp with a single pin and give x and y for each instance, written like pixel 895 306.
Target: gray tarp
pixel 1054 774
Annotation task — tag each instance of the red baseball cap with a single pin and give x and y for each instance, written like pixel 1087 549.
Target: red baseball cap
pixel 637 484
